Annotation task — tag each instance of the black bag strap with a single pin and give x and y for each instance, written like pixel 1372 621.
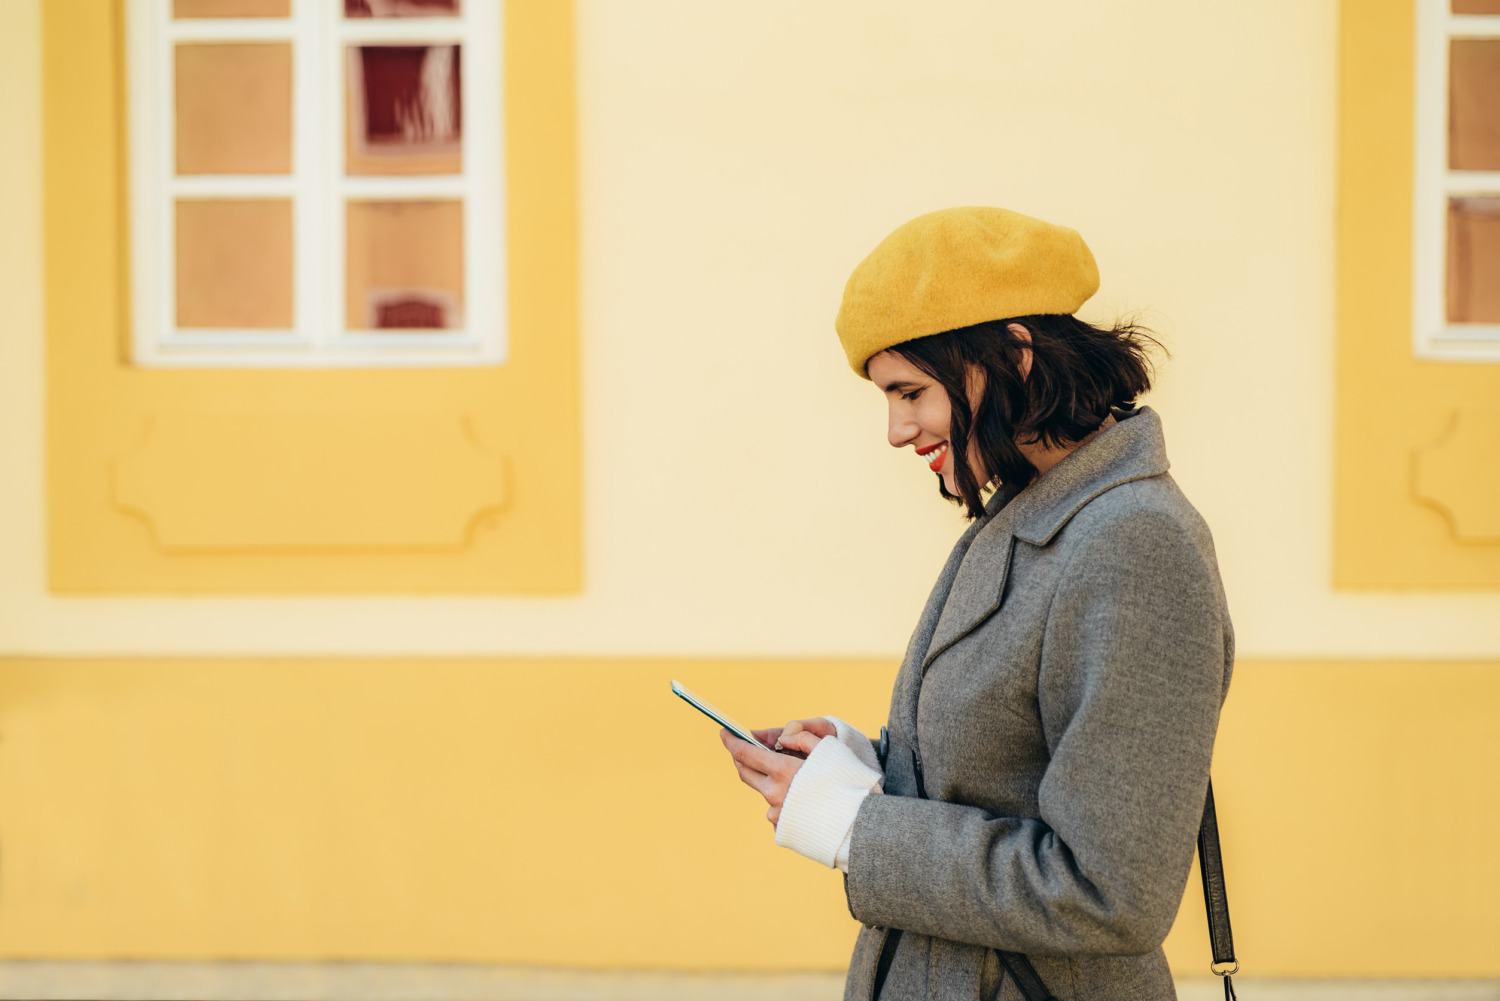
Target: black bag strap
pixel 1215 901
pixel 1025 976
pixel 1211 864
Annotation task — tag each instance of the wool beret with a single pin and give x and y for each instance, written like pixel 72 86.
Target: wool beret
pixel 958 267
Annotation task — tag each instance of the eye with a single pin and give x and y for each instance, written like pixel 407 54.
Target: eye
pixel 912 395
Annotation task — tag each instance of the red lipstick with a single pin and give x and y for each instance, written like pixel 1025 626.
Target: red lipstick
pixel 936 463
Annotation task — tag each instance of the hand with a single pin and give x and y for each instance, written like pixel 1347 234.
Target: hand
pixel 768 772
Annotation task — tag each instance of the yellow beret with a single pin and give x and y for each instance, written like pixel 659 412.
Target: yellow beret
pixel 958 267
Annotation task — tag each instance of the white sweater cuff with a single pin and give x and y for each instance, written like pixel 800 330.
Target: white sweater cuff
pixel 857 742
pixel 817 817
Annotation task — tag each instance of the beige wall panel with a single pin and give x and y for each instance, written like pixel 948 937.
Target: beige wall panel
pixel 1459 475
pixel 234 263
pixel 388 480
pixel 234 108
pixel 720 222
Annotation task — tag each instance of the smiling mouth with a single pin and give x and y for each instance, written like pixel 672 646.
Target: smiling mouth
pixel 934 454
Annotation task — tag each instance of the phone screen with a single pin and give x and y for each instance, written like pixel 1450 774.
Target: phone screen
pixel 709 710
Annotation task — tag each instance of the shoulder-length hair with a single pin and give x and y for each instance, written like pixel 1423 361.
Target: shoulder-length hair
pixel 1079 372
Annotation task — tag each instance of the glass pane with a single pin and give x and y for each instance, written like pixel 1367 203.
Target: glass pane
pixel 1476 6
pixel 1474 109
pixel 400 8
pixel 405 265
pixel 231 8
pixel 234 109
pixel 234 263
pixel 404 110
pixel 1474 260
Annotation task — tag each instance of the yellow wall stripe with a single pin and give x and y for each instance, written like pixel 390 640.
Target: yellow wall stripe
pixel 572 812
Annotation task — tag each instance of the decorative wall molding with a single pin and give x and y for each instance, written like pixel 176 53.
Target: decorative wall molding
pixel 1459 475
pixel 352 480
pixel 123 980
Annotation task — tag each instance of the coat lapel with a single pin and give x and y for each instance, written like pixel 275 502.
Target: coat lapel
pixel 909 680
pixel 1130 450
pixel 977 586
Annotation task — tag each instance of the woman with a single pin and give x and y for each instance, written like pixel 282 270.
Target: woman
pixel 1053 719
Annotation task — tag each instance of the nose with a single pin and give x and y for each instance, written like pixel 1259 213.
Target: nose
pixel 900 430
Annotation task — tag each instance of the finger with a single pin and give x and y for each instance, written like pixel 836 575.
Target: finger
pixel 762 759
pixel 759 781
pixel 732 740
pixel 774 815
pixel 803 742
pixel 768 737
pixel 821 726
pixel 787 732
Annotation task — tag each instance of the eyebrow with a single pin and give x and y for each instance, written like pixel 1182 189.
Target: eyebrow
pixel 900 385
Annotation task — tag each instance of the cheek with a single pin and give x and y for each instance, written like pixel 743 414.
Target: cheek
pixel 934 418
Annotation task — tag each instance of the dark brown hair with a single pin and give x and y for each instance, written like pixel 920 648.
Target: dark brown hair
pixel 1078 373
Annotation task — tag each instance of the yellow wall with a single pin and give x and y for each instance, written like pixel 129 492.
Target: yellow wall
pixel 1417 494
pixel 264 480
pixel 572 812
pixel 742 512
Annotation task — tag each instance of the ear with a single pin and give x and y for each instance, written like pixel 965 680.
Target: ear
pixel 1023 334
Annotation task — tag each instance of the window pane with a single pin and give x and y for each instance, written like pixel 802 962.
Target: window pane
pixel 1474 260
pixel 400 8
pixel 1476 6
pixel 234 263
pixel 234 109
pixel 1474 110
pixel 232 8
pixel 406 265
pixel 404 110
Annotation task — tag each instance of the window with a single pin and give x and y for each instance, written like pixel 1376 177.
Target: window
pixel 1456 279
pixel 317 183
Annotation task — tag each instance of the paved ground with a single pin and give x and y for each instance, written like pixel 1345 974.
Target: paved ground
pixel 231 981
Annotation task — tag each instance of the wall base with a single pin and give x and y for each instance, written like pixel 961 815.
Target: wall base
pixel 44 980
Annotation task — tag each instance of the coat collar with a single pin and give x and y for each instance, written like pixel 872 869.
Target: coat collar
pixel 1132 449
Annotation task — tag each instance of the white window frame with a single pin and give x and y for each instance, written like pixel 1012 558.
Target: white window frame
pixel 320 336
pixel 1433 337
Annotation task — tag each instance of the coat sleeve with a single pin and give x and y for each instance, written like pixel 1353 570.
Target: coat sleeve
pixel 1129 688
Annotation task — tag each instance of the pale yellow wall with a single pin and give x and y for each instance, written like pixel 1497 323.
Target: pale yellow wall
pixel 736 162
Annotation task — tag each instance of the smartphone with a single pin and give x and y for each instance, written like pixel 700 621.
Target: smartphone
pixel 707 709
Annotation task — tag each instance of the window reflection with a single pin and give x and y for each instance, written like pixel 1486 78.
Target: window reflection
pixel 1474 260
pixel 231 8
pixel 400 8
pixel 405 265
pixel 405 109
pixel 234 263
pixel 234 108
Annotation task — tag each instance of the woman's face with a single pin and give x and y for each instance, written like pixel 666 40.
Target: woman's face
pixel 918 413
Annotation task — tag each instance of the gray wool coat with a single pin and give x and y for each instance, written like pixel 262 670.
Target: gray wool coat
pixel 1057 705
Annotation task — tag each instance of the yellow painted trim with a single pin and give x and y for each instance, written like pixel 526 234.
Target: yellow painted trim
pixel 571 812
pixel 523 414
pixel 1391 408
